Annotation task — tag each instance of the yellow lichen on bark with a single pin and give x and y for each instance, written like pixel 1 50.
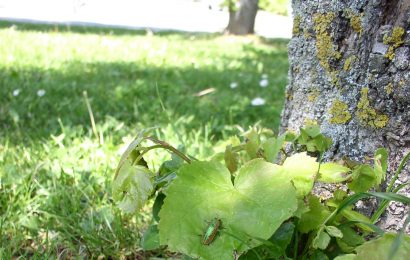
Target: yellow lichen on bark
pixel 394 40
pixel 313 94
pixel 389 88
pixel 296 25
pixel 326 50
pixel 356 23
pixel 367 115
pixel 348 63
pixel 339 113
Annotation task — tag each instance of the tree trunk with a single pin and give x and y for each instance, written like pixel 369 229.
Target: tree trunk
pixel 242 18
pixel 349 72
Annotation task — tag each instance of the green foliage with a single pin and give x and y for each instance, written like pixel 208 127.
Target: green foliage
pixel 312 219
pixel 244 205
pixel 272 147
pixel 279 7
pixel 56 176
pixel 380 248
pixel 301 169
pixel 150 239
pixel 132 187
pixel 321 241
pixel 275 6
pixel 255 194
pixel 363 178
pixel 311 138
pixel 333 173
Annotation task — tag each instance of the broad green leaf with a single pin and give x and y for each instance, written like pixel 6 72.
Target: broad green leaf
pixel 350 239
pixel 334 231
pixel 318 255
pixel 150 239
pixel 356 216
pixel 380 164
pixel 275 247
pixel 231 159
pixel 130 152
pixel 302 208
pixel 163 181
pixel 322 143
pixel 253 207
pixel 282 238
pixel 321 241
pixel 290 136
pixel 252 143
pixel 303 137
pixel 346 257
pixel 314 141
pixel 312 219
pixel 156 208
pixel 312 130
pixel 333 173
pixel 272 147
pixel 132 187
pixel 379 249
pixel 339 195
pixel 363 178
pixel 302 170
pixel 170 166
pixel 255 254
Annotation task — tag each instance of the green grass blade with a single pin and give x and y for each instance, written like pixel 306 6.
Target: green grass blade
pixel 397 173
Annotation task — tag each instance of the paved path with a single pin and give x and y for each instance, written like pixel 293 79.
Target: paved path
pixel 181 15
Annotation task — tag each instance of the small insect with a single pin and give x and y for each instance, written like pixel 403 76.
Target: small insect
pixel 211 231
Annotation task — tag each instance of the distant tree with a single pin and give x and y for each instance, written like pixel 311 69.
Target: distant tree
pixel 242 14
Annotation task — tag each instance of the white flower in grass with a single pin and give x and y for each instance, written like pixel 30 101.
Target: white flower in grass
pixel 16 92
pixel 234 85
pixel 41 92
pixel 263 83
pixel 258 101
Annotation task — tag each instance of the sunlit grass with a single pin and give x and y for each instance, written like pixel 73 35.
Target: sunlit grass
pixel 55 173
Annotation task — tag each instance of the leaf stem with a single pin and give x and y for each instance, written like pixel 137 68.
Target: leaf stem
pixel 169 147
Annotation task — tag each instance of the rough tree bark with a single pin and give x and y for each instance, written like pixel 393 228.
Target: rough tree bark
pixel 349 72
pixel 242 18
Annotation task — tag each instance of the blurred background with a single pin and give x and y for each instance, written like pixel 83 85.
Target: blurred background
pixel 80 78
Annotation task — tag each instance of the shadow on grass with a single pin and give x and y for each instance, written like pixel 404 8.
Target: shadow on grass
pixel 132 92
pixel 129 93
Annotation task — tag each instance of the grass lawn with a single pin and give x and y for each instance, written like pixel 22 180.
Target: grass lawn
pixel 55 173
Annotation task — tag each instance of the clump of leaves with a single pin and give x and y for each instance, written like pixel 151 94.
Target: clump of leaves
pixel 255 200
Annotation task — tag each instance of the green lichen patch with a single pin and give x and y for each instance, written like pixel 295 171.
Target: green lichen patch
pixel 326 50
pixel 367 115
pixel 313 94
pixel 394 40
pixel 296 25
pixel 339 113
pixel 334 76
pixel 306 34
pixel 355 20
pixel 389 88
pixel 310 122
pixel 348 62
pixel 356 23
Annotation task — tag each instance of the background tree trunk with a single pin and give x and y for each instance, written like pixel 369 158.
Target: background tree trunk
pixel 242 18
pixel 349 72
